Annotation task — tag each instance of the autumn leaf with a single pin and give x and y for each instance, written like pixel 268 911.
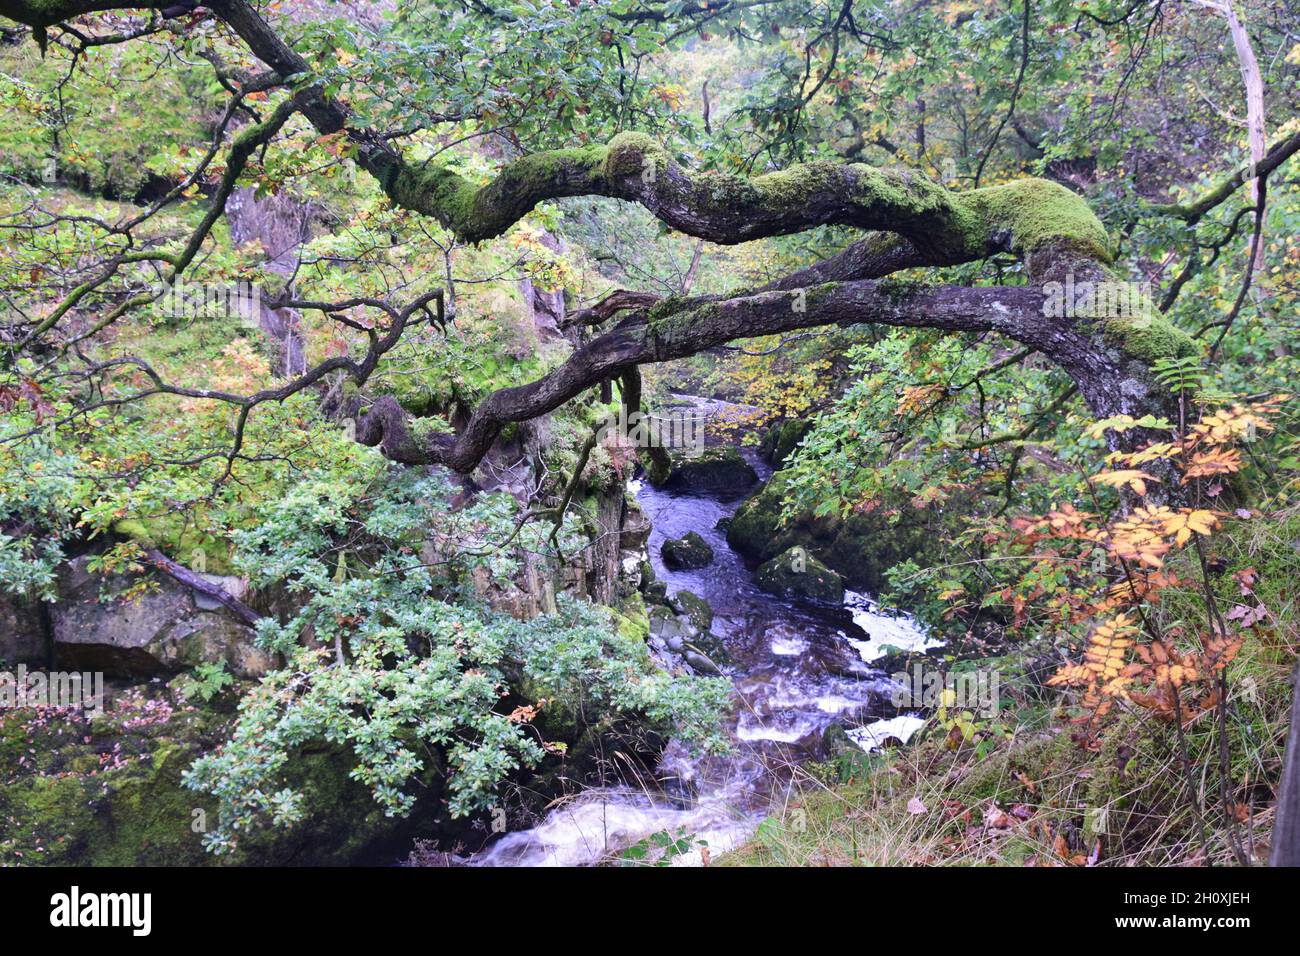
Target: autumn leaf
pixel 1187 522
pixel 1126 477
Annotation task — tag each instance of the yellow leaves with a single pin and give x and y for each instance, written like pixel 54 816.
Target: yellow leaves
pixel 1157 451
pixel 1187 522
pixel 1140 538
pixel 672 95
pixel 1108 647
pixel 1105 659
pixel 1125 477
pixel 916 397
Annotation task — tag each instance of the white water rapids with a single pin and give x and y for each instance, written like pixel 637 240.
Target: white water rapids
pixel 798 667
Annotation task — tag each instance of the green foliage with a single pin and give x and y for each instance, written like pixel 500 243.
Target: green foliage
pixel 661 848
pixel 381 660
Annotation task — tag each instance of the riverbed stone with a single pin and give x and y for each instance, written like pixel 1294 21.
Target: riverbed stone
pixel 721 471
pixel 797 574
pixel 696 609
pixel 687 552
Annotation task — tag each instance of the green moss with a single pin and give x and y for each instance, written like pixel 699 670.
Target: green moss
pixel 110 794
pixel 633 622
pixel 1040 213
pixel 182 542
pixel 627 155
pixel 1150 339
pixel 796 185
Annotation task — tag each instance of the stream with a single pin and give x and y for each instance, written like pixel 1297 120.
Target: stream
pixel 798 667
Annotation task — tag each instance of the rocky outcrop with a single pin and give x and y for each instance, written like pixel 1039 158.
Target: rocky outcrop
pixel 719 471
pixel 781 440
pixel 22 631
pixel 797 574
pixel 861 547
pixel 687 552
pixel 98 626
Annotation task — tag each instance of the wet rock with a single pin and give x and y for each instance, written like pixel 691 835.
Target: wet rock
pixel 687 552
pixel 694 607
pixel 702 650
pixel 797 574
pixel 836 741
pixel 722 524
pixel 99 627
pixel 636 528
pixel 648 583
pixel 720 471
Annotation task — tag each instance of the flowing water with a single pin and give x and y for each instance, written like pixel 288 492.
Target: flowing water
pixel 798 667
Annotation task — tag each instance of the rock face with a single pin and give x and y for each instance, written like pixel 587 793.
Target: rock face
pixel 22 635
pixel 797 574
pixel 720 471
pixel 98 628
pixel 782 439
pixel 687 552
pixel 861 548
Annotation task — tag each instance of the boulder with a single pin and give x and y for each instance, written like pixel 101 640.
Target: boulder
pixel 861 547
pixel 758 532
pixel 22 636
pixel 687 552
pixel 719 471
pixel 676 635
pixel 696 609
pixel 97 626
pixel 797 574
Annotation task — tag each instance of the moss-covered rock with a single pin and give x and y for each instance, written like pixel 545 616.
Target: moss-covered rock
pixel 861 548
pixel 697 610
pixel 758 532
pixel 687 552
pixel 716 471
pixel 108 791
pixel 797 574
pixel 785 438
